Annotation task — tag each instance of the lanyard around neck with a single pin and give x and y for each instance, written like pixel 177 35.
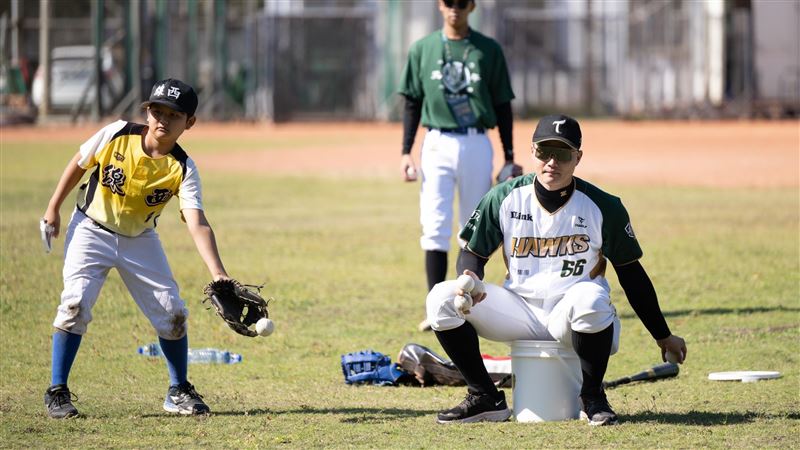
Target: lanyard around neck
pixel 448 55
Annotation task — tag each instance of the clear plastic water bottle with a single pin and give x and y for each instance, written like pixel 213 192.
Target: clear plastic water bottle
pixel 152 349
pixel 213 356
pixel 196 356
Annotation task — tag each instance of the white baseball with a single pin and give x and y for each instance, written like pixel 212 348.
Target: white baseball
pixel 471 285
pixel 478 288
pixel 466 283
pixel 672 357
pixel 264 327
pixel 411 173
pixel 463 302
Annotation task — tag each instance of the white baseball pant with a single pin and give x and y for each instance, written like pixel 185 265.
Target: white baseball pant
pixel 448 162
pixel 90 252
pixel 504 316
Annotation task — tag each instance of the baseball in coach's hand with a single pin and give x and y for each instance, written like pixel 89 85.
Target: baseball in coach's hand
pixel 672 357
pixel 466 283
pixel 471 285
pixel 264 327
pixel 478 288
pixel 463 302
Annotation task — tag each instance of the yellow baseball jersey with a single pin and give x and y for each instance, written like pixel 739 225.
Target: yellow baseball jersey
pixel 128 189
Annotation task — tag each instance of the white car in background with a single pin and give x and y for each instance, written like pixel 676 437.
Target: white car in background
pixel 71 71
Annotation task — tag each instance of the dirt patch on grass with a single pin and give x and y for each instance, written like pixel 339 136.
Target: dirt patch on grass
pixel 720 154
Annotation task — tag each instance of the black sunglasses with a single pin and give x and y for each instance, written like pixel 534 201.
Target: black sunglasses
pixel 545 153
pixel 460 4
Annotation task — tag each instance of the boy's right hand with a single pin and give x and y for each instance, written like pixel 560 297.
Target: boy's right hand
pixel 53 218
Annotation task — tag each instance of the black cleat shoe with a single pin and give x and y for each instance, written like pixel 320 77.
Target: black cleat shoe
pixel 597 411
pixel 58 401
pixel 183 399
pixel 478 408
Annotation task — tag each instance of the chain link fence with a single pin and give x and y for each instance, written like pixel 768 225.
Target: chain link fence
pixel 341 59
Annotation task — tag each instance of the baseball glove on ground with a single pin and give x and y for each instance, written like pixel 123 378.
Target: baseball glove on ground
pixel 239 305
pixel 370 367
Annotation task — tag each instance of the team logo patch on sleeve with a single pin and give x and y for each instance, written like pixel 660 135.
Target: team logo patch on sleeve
pixel 158 196
pixel 472 223
pixel 114 179
pixel 629 230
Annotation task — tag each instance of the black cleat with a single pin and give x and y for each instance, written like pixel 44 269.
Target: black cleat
pixel 478 408
pixel 596 410
pixel 58 401
pixel 183 399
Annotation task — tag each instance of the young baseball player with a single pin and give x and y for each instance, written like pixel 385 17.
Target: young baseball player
pixel 135 170
pixel 556 232
pixel 456 83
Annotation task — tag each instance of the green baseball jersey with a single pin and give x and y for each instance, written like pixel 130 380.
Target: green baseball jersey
pixel 473 67
pixel 546 253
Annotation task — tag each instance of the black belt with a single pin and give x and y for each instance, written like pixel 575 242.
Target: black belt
pixel 101 226
pixel 461 130
pixel 96 223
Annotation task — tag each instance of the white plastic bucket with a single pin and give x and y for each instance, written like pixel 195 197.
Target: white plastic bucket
pixel 547 381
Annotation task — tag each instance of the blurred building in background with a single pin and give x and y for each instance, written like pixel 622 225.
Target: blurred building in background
pixel 287 60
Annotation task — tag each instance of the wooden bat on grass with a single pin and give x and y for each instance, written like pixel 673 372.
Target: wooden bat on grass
pixel 661 371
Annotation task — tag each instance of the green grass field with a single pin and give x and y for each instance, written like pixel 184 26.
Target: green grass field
pixel 341 260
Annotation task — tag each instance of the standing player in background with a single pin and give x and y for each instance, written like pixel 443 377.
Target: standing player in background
pixel 556 232
pixel 456 83
pixel 137 170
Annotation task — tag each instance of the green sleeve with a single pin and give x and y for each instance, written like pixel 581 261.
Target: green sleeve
pixel 482 232
pixel 619 242
pixel 411 83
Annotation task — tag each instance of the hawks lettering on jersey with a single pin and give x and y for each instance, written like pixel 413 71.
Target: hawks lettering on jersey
pixel 538 247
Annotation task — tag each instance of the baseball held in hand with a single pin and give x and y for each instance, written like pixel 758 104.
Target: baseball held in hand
pixel 411 173
pixel 463 302
pixel 471 285
pixel 466 283
pixel 672 357
pixel 264 327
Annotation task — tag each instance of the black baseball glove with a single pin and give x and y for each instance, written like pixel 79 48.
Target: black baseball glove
pixel 239 305
pixel 509 171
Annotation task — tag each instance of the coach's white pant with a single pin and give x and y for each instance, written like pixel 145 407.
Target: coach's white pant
pixel 504 316
pixel 449 161
pixel 90 252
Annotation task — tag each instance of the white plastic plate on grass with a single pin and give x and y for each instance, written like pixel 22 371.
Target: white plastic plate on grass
pixel 745 376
